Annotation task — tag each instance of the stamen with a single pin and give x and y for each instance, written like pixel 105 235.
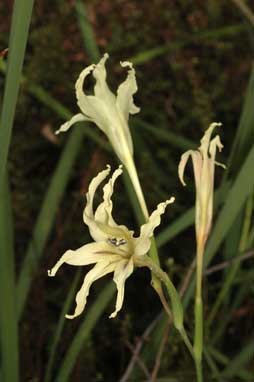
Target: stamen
pixel 117 242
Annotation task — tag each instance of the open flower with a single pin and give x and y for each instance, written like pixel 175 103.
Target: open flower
pixel 114 249
pixel 204 162
pixel 109 112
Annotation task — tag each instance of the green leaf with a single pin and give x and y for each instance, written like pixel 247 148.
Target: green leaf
pixel 8 316
pixel 47 215
pixel 240 361
pixel 84 331
pixel 18 38
pixel 60 326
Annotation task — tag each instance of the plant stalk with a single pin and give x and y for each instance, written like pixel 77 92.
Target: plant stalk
pixel 198 335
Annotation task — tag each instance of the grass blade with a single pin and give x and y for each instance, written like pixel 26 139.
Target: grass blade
pixel 60 326
pixel 239 362
pixel 215 34
pixel 163 135
pixel 47 214
pixel 18 38
pixel 86 31
pixel 8 317
pixel 245 132
pixel 84 332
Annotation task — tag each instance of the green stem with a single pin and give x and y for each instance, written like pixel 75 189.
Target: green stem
pixel 198 336
pixel 177 308
pixel 132 171
pixel 131 168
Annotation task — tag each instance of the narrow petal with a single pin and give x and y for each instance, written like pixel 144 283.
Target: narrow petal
pixel 205 141
pixel 123 270
pixel 101 89
pixel 197 165
pixel 143 241
pixel 125 92
pixel 88 214
pixel 87 254
pixel 216 144
pixel 98 271
pixel 182 165
pixel 103 213
pixel 91 106
pixel 76 118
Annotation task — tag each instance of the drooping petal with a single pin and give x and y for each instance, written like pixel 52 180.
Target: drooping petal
pixel 88 214
pixel 87 254
pixel 123 270
pixel 76 118
pixel 143 243
pixel 125 92
pixel 197 165
pixel 98 271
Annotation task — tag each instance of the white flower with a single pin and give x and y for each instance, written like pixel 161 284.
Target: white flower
pixel 204 162
pixel 109 112
pixel 115 248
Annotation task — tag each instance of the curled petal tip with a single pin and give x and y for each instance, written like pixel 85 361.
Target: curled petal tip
pixel 171 200
pixel 50 273
pixel 69 316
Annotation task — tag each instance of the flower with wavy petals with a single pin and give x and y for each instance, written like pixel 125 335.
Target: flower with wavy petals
pixel 108 111
pixel 114 249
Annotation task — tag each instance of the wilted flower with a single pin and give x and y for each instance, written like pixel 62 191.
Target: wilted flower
pixel 204 162
pixel 115 249
pixel 108 111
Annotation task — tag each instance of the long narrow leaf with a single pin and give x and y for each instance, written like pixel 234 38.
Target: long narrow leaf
pixel 47 214
pixel 84 332
pixel 18 38
pixel 240 361
pixel 8 317
pixel 215 34
pixel 60 326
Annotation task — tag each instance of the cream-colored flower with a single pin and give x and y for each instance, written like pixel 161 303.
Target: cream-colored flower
pixel 204 162
pixel 108 111
pixel 115 248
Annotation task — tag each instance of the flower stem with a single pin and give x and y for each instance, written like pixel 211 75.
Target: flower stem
pixel 198 336
pixel 177 308
pixel 132 171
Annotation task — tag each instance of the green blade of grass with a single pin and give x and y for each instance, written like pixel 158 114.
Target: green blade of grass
pixel 18 38
pixel 215 34
pixel 240 361
pixel 8 317
pixel 47 214
pixel 245 132
pixel 21 17
pixel 84 332
pixel 164 135
pixel 86 31
pixel 60 326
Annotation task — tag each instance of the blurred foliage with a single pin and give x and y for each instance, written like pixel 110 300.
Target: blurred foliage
pixel 181 91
